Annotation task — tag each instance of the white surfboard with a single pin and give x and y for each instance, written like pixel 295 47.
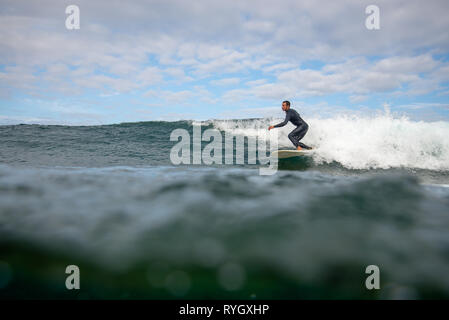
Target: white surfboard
pixel 283 154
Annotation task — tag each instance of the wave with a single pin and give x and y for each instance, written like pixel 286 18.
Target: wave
pixel 353 143
pixel 380 142
pixel 310 233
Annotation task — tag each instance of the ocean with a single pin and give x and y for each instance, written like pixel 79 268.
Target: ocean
pixel 108 199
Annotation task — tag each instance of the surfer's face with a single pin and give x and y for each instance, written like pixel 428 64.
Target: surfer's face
pixel 284 106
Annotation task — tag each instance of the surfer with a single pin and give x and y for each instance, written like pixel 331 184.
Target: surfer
pixel 301 126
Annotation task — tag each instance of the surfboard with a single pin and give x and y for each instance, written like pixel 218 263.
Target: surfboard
pixel 283 154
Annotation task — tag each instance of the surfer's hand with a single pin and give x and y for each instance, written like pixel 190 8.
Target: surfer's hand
pixel 270 127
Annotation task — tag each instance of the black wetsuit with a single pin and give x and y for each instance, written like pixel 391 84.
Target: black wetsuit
pixel 301 127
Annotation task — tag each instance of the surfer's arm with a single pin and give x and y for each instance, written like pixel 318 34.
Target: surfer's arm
pixel 283 123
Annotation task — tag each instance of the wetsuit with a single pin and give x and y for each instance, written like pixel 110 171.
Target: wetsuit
pixel 301 127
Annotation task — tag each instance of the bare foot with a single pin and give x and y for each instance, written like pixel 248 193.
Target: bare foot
pixel 298 148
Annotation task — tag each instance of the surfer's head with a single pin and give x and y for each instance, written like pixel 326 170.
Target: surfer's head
pixel 285 105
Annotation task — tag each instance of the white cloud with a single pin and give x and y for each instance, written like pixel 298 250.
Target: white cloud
pixel 143 45
pixel 279 66
pixel 357 98
pixel 182 97
pixel 259 26
pixel 256 82
pixel 357 77
pixel 179 74
pixel 244 113
pixel 225 82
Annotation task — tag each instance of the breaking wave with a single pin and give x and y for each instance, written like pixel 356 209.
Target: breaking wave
pixel 380 142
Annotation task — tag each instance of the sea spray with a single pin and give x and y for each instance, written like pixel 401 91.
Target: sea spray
pixel 357 142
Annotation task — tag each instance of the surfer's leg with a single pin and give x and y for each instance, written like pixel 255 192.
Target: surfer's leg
pixel 301 135
pixel 297 134
pixel 293 136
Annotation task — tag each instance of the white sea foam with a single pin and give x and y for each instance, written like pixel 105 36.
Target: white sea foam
pixel 356 142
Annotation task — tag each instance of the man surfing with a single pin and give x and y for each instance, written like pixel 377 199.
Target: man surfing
pixel 301 126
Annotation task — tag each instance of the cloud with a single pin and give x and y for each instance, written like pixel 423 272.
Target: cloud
pixel 244 113
pixel 183 97
pixel 357 77
pixel 256 82
pixel 423 105
pixel 172 47
pixel 225 82
pixel 178 74
pixel 279 66
pixel 357 98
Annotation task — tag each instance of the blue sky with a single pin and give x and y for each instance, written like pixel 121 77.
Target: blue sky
pixel 170 60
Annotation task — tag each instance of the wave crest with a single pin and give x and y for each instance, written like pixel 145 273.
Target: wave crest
pixel 379 142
